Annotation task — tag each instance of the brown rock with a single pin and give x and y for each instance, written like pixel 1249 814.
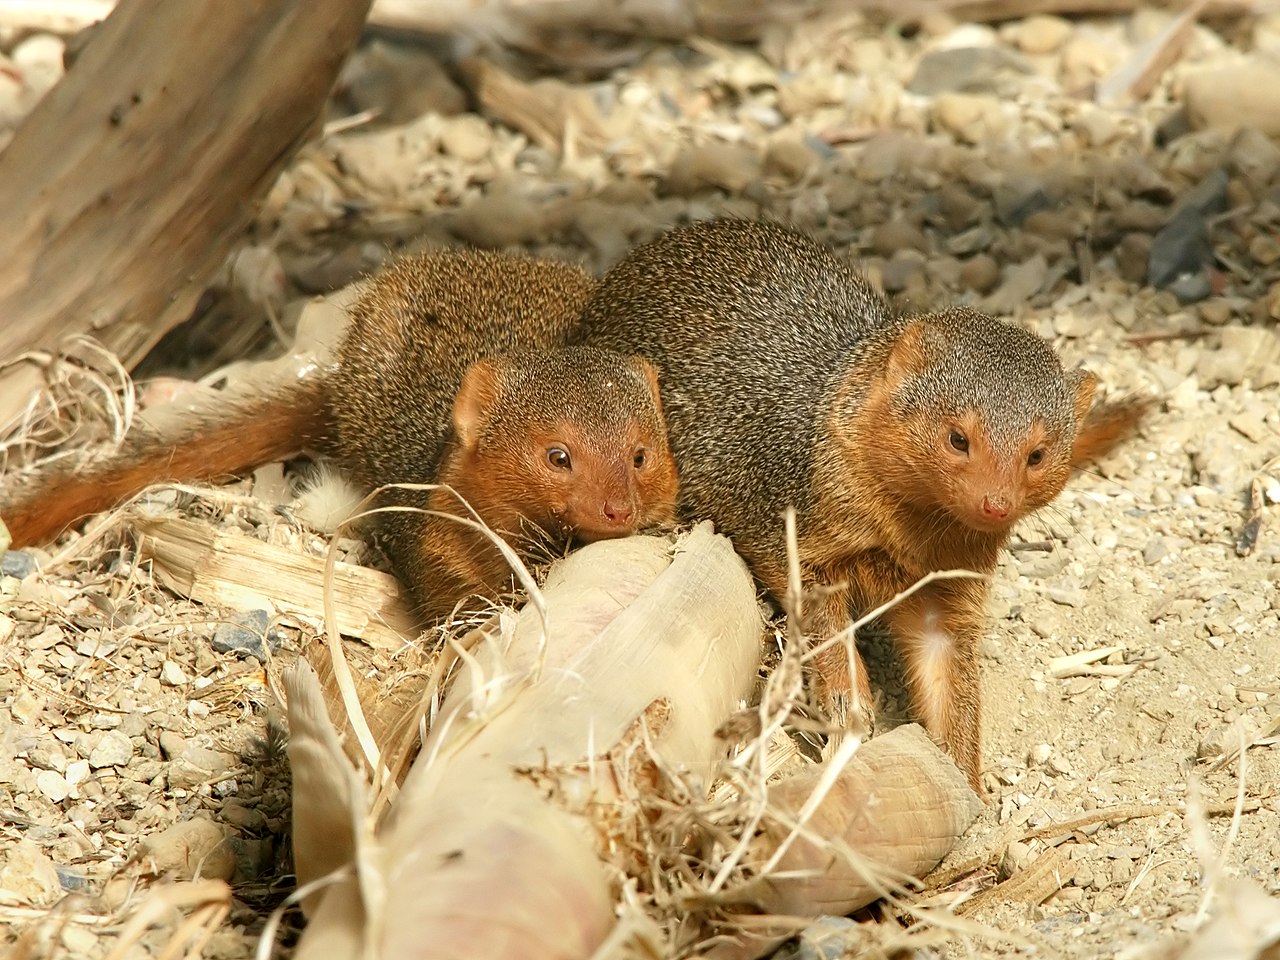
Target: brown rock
pixel 499 220
pixel 1051 224
pixel 959 207
pixel 970 118
pixel 790 157
pixel 1133 254
pixel 980 273
pixel 904 271
pixel 889 238
pixel 1040 34
pixel 725 165
pixel 1273 301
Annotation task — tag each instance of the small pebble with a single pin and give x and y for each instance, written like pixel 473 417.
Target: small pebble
pixel 980 273
pixel 243 634
pixel 17 563
pixel 113 750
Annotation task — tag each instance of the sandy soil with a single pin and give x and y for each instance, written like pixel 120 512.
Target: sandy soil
pixel 958 164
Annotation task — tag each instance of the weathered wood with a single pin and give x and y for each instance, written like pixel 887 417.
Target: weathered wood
pixel 237 571
pixel 643 652
pixel 128 183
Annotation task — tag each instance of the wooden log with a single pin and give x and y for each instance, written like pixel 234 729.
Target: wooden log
pixel 128 183
pixel 482 858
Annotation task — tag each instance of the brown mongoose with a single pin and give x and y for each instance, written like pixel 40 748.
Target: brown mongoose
pixel 453 369
pixel 905 445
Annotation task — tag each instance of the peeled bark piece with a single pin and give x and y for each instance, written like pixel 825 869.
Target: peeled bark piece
pixel 901 803
pixel 128 183
pixel 490 849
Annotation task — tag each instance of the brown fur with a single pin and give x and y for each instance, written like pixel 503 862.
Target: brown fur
pixel 394 410
pixel 620 473
pixel 273 428
pixel 787 382
pixel 1106 426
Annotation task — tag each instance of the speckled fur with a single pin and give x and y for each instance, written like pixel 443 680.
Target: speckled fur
pixel 415 331
pixel 787 381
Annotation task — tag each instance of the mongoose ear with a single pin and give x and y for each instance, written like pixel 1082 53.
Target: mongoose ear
pixel 1083 384
pixel 650 373
pixel 909 354
pixel 475 398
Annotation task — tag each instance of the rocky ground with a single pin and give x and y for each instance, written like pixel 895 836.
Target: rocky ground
pixel 1034 169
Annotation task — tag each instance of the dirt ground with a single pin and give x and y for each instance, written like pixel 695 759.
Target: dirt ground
pixel 1001 166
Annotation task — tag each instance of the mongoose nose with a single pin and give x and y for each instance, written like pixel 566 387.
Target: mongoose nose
pixel 618 514
pixel 997 508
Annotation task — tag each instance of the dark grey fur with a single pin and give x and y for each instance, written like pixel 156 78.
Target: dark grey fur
pixel 752 328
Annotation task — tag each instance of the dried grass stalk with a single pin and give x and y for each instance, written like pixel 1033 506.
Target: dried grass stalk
pixel 493 847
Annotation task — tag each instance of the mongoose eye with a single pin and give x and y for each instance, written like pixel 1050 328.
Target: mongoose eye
pixel 1035 457
pixel 959 441
pixel 642 457
pixel 559 458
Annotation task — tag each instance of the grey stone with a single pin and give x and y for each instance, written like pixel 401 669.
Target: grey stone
pixel 243 634
pixel 1019 197
pixel 1181 248
pixel 17 563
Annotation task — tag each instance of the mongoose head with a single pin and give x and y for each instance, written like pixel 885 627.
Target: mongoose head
pixel 976 417
pixel 571 441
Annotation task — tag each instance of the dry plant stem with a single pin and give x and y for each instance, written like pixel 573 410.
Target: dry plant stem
pixel 1214 868
pixel 145 169
pixel 1135 80
pixel 1050 873
pixel 162 900
pixel 1111 815
pixel 54 16
pixel 513 19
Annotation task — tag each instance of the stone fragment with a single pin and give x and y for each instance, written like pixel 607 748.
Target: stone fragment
pixel 727 166
pixel 467 137
pixel 1020 284
pixel 791 157
pixel 29 875
pixel 1181 248
pixel 190 848
pixel 965 69
pixel 980 273
pixel 1040 34
pixel 1255 156
pixel 896 235
pixel 970 118
pixel 113 750
pixel 500 219
pixel 172 674
pixel 197 765
pixel 1018 197
pixel 17 563
pixel 244 634
pixel 1239 95
pixel 1133 257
